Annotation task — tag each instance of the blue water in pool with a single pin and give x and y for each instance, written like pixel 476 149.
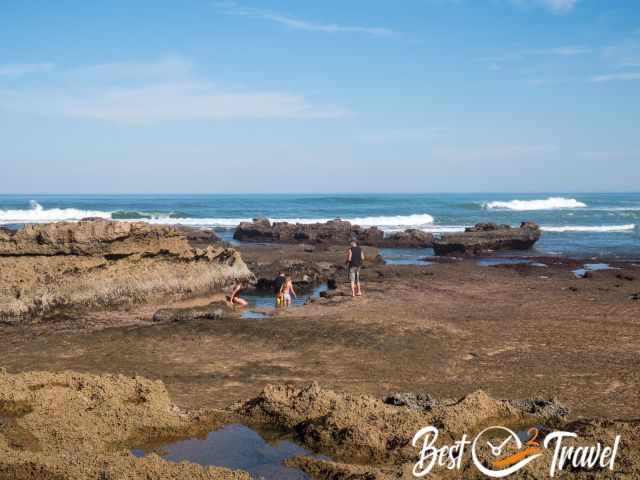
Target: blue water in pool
pixel 266 300
pixel 237 447
pixel 585 225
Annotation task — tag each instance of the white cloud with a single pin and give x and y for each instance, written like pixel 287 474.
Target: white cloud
pixel 139 92
pixel 170 67
pixel 554 6
pixel 566 51
pixel 232 8
pixel 20 69
pixel 561 51
pixel 614 77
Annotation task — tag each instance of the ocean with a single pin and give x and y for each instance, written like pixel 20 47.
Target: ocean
pixel 605 225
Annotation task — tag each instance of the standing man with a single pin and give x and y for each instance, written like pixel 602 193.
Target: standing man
pixel 354 262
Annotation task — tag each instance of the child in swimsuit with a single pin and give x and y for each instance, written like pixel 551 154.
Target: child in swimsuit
pixel 287 291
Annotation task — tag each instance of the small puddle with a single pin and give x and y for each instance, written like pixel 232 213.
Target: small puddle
pixel 406 256
pixel 494 262
pixel 592 267
pixel 236 447
pixel 253 315
pixel 260 301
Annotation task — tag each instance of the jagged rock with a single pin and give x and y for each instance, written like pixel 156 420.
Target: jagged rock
pixel 414 401
pixel 486 237
pixel 332 232
pixel 542 407
pixel 365 427
pixel 261 230
pixel 199 236
pixel 411 238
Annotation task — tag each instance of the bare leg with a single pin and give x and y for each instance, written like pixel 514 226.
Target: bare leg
pixel 240 302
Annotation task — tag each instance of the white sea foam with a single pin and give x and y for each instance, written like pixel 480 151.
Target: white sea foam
pixel 551 203
pixel 593 229
pixel 38 214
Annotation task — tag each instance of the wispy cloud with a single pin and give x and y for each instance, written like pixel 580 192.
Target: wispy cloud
pixel 616 77
pixel 566 51
pixel 164 90
pixel 20 69
pixel 554 6
pixel 560 51
pixel 625 54
pixel 232 8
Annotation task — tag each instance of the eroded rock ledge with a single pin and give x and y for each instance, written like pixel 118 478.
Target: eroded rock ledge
pixel 101 263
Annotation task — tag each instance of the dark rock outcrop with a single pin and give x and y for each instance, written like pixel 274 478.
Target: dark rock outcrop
pixel 414 401
pixel 329 233
pixel 304 268
pixel 213 311
pixel 411 238
pixel 487 237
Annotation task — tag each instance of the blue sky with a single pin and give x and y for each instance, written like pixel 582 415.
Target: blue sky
pixel 332 96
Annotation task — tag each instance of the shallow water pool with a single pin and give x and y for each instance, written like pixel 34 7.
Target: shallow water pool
pixel 494 262
pixel 237 446
pixel 592 267
pixel 266 300
pixel 406 256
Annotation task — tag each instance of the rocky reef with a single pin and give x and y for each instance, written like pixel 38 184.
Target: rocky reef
pixel 100 263
pixel 69 425
pixel 333 232
pixel 487 237
pixel 72 425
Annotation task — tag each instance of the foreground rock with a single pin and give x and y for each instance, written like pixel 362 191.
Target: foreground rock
pixel 370 440
pixel 332 232
pixel 73 426
pixel 487 237
pixel 101 263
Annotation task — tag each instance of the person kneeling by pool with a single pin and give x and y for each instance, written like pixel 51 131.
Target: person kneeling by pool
pixel 235 299
pixel 355 258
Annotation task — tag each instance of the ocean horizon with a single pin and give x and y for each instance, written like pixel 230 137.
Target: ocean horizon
pixel 578 224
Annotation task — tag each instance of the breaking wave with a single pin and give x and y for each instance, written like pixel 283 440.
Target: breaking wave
pixel 38 214
pixel 551 203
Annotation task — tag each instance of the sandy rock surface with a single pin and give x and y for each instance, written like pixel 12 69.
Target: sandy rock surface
pixel 100 263
pixel 79 426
